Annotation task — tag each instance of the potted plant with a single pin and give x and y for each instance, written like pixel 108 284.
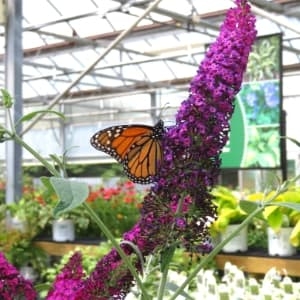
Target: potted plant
pixel 28 258
pixel 26 220
pixel 70 225
pixel 229 216
pixel 283 221
pixel 65 227
pixel 117 206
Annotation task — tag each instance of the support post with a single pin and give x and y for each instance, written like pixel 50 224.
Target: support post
pixel 13 73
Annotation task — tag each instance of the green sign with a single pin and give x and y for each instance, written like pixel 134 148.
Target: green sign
pixel 235 149
pixel 254 140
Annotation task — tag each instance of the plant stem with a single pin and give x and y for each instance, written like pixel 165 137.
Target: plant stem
pixel 11 123
pixel 216 250
pixel 162 284
pixel 109 235
pixel 45 163
pixel 101 225
pixel 164 275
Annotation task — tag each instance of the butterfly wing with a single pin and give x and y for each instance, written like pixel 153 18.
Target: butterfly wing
pixel 137 147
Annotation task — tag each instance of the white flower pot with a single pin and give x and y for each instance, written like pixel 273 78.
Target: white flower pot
pixel 278 242
pixel 63 230
pixel 17 224
pixel 238 243
pixel 28 273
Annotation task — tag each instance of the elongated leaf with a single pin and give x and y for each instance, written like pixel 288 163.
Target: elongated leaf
pixel 70 194
pixel 292 140
pixel 6 99
pixel 275 219
pixel 31 115
pixel 172 287
pixel 46 182
pixel 292 205
pixel 295 235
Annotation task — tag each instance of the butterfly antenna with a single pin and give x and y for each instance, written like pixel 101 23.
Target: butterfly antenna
pixel 161 111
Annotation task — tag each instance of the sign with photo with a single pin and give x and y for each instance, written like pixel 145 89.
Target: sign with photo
pixel 255 126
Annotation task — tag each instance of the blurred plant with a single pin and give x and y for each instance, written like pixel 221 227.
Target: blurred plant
pixel 2 191
pixel 27 220
pixel 285 215
pixel 261 102
pixel 118 207
pixel 264 60
pixel 182 263
pixel 90 257
pixel 236 285
pixel 257 234
pixel 263 147
pixel 229 210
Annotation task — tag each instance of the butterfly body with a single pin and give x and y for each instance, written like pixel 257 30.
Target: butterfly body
pixel 137 147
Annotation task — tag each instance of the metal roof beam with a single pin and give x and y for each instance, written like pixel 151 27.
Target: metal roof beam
pixel 274 18
pixel 177 54
pixel 91 66
pixel 270 6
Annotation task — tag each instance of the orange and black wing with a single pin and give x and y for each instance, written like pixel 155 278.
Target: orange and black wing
pixel 137 147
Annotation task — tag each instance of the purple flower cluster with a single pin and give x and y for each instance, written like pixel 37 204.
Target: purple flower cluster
pixel 69 280
pixel 12 284
pixel 178 207
pixel 110 280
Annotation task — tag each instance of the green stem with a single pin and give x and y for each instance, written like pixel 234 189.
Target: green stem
pixel 45 163
pixel 162 284
pixel 101 225
pixel 11 123
pixel 164 275
pixel 110 237
pixel 215 251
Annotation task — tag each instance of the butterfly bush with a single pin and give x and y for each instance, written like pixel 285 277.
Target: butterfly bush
pixel 12 284
pixel 178 206
pixel 69 279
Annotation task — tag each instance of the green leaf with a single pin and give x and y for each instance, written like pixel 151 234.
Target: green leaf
pixel 46 182
pixel 42 287
pixel 249 206
pixel 70 194
pixel 3 134
pixel 292 205
pixel 31 115
pixel 6 99
pixel 295 235
pixel 274 218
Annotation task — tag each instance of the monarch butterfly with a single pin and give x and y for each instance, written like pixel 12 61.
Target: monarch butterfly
pixel 137 147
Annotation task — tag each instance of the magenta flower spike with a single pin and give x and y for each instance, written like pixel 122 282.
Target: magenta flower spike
pixel 69 280
pixel 178 207
pixel 12 284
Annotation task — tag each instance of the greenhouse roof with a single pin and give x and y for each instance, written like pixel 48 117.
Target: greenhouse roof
pixel 62 39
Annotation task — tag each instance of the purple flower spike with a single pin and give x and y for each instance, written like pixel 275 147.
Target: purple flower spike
pixel 69 280
pixel 178 207
pixel 12 284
